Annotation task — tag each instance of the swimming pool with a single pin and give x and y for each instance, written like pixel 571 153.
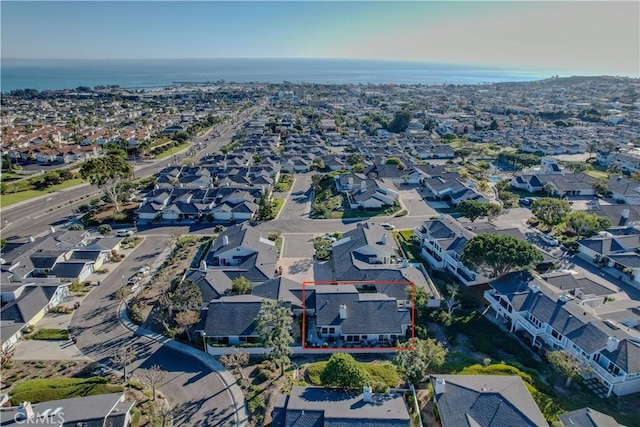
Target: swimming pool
pixel 494 178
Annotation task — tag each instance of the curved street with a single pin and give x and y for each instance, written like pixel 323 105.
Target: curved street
pixel 200 394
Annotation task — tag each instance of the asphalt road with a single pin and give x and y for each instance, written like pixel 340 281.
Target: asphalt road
pixel 32 218
pixel 201 397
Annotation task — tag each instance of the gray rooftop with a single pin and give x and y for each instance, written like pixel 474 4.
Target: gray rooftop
pixel 587 417
pixel 486 401
pixel 319 407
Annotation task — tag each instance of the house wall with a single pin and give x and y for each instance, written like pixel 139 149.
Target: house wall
pixel 170 214
pixel 628 387
pixel 229 254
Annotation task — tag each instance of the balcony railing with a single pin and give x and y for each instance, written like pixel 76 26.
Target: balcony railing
pixel 606 375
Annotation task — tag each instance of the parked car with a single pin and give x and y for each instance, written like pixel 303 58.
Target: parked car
pixel 124 233
pixel 549 240
pixel 388 226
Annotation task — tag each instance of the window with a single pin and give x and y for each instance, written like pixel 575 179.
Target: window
pixel 556 335
pixel 364 337
pixel 332 330
pixel 324 330
pixel 243 339
pixel 380 337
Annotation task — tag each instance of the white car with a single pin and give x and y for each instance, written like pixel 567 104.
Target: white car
pixel 388 226
pixel 124 233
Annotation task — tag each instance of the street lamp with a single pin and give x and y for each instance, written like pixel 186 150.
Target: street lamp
pixel 204 340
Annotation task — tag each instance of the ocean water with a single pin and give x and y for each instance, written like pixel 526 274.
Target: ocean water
pixel 63 74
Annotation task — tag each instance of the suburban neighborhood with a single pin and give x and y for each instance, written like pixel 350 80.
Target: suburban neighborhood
pixel 297 254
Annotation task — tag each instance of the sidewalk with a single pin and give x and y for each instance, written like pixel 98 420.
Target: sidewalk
pixel 242 414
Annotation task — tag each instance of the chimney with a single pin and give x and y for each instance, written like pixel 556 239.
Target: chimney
pixel 203 265
pixel 625 214
pixel 343 311
pixel 25 411
pixel 440 384
pixel 612 344
pixel 535 289
pixel 350 182
pixel 562 299
pixel 31 239
pixel 384 239
pixel 363 185
pixel 52 230
pixel 367 395
pixel 225 240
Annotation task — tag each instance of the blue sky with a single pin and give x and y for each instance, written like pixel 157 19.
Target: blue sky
pixel 583 37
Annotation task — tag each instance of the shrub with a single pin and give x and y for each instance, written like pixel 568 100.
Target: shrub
pixel 61 309
pixel 257 403
pixel 313 372
pixel 136 385
pixel 51 334
pixel 104 229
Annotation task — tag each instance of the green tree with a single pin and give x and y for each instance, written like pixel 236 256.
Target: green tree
pixel 601 188
pixel 318 163
pixel 591 148
pixel 358 168
pixel 583 224
pixel 494 210
pixel 415 363
pixel 578 167
pixel 395 161
pixel 266 207
pixel 187 296
pixel 606 147
pixel 181 136
pixel 104 229
pixel 240 285
pixel 548 189
pixel 273 326
pixel 472 209
pixel 614 169
pixel 568 364
pixel 107 173
pixel 550 211
pixel 463 152
pixel 355 158
pixel 400 121
pixel 344 372
pixel 498 254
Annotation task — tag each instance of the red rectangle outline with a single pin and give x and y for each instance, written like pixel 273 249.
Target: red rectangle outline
pixel 355 282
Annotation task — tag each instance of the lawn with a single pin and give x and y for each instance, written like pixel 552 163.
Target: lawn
pixel 597 174
pixel 43 390
pixel 284 183
pixel 51 334
pixel 383 374
pixel 21 196
pixel 172 151
pixel 278 203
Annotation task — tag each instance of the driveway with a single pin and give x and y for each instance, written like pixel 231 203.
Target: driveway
pixel 297 257
pixel 298 202
pixel 414 202
pixel 200 394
